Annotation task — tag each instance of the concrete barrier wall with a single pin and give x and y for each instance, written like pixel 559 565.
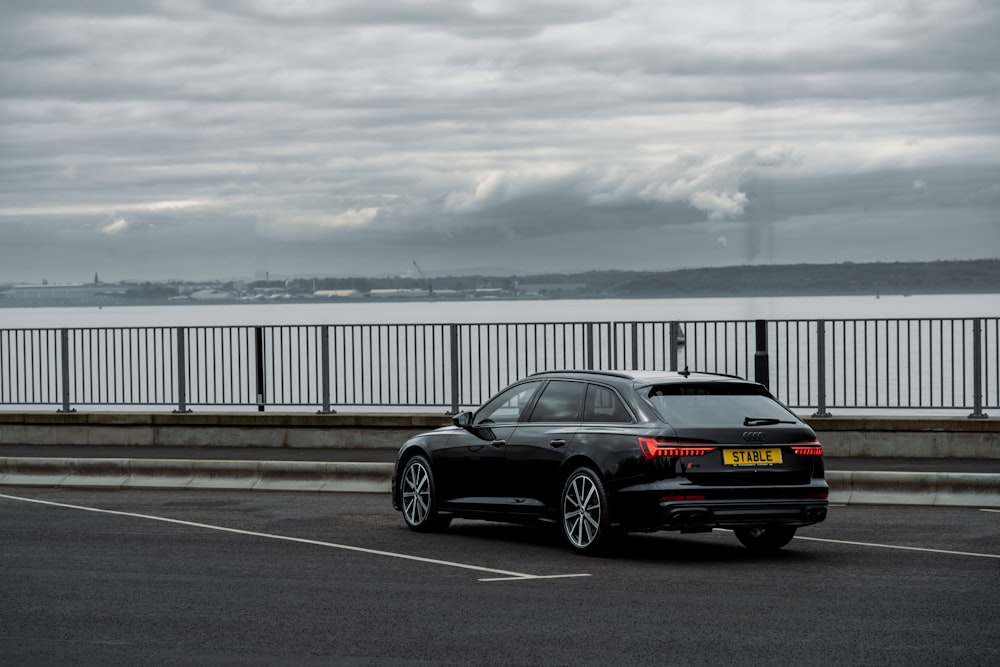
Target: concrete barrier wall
pixel 914 488
pixel 846 487
pixel 929 437
pixel 104 473
pixel 916 437
pixel 291 430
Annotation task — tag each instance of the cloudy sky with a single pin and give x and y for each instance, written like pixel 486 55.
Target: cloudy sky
pixel 154 139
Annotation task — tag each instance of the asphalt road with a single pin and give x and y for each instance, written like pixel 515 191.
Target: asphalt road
pixel 234 578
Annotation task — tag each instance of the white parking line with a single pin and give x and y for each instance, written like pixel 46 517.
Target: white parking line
pixel 893 546
pixel 509 576
pixel 540 576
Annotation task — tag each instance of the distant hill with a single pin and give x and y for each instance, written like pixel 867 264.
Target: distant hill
pixel 954 277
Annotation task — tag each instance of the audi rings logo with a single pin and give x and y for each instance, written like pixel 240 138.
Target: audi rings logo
pixel 753 436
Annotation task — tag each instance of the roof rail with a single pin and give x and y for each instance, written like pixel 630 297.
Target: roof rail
pixel 617 374
pixel 686 372
pixel 625 375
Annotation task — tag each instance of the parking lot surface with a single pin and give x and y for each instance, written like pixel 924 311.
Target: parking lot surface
pixel 175 577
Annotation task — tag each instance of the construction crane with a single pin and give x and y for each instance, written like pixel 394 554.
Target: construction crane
pixel 420 272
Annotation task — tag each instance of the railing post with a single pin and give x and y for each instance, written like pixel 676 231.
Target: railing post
pixel 977 370
pixel 590 346
pixel 64 363
pixel 761 361
pixel 455 375
pixel 674 331
pixel 635 347
pixel 324 371
pixel 612 346
pixel 259 355
pixel 181 371
pixel 821 369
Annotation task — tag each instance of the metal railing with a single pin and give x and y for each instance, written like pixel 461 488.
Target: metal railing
pixel 807 364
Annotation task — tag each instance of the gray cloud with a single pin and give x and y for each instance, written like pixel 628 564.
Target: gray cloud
pixel 205 138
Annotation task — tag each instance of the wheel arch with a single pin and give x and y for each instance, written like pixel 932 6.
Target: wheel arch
pixel 406 452
pixel 608 479
pixel 570 465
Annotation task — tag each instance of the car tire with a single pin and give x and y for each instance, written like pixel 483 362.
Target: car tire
pixel 583 512
pixel 418 497
pixel 763 539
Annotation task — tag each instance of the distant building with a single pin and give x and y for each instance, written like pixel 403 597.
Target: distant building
pixel 490 292
pixel 46 292
pixel 210 295
pixel 337 293
pixel 399 293
pixel 548 288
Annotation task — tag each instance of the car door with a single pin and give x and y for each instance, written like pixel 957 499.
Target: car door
pixel 471 469
pixel 535 450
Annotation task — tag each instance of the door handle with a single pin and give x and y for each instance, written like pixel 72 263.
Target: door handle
pixel 557 443
pixel 499 443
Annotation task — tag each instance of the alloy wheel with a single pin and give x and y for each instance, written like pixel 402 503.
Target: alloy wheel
pixel 763 539
pixel 416 493
pixel 582 511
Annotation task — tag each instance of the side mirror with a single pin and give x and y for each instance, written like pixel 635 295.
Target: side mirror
pixel 464 420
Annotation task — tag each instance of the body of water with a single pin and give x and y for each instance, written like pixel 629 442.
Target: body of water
pixel 489 311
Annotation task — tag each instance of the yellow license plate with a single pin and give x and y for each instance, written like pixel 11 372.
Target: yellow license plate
pixel 764 456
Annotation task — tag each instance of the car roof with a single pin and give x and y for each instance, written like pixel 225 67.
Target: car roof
pixel 643 378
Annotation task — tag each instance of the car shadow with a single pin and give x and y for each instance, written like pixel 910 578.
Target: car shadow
pixel 677 548
pixel 663 547
pixel 537 534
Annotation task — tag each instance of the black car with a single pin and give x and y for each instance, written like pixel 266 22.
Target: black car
pixel 601 452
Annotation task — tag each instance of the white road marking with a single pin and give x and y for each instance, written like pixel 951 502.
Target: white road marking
pixel 888 546
pixel 893 546
pixel 510 576
pixel 540 576
pixel 988 510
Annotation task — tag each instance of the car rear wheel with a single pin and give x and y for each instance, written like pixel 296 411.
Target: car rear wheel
pixel 765 538
pixel 584 512
pixel 419 498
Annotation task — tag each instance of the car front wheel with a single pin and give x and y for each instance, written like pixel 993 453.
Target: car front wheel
pixel 584 512
pixel 419 499
pixel 765 538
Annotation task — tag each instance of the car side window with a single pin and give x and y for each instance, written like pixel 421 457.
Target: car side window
pixel 506 407
pixel 560 402
pixel 603 405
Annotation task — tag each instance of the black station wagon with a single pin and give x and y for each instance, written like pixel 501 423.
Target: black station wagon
pixel 603 452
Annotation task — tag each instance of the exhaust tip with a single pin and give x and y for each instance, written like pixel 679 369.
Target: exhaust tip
pixel 690 517
pixel 814 514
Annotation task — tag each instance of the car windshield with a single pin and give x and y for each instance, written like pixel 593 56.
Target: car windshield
pixel 714 404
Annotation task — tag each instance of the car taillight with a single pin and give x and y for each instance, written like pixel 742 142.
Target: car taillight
pixel 810 448
pixel 656 447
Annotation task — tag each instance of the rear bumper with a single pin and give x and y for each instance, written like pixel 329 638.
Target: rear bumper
pixel 687 515
pixel 669 505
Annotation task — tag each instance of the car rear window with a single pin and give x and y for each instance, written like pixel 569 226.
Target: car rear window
pixel 714 404
pixel 603 405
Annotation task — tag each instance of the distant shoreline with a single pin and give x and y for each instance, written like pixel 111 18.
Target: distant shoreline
pixel 767 281
pixel 389 300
